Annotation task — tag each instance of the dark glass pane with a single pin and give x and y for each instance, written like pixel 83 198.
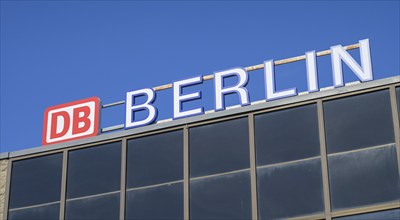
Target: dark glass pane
pixel 94 170
pixel 45 212
pixel 161 202
pixel 221 197
pixel 286 135
pixel 398 100
pixel 358 121
pixel 36 181
pixel 155 159
pixel 290 190
pixel 382 215
pixel 219 147
pixel 96 207
pixel 364 178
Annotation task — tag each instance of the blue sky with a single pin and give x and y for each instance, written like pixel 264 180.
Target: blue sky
pixel 53 52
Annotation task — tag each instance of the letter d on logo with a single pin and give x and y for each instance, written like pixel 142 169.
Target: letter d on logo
pixel 71 121
pixel 56 123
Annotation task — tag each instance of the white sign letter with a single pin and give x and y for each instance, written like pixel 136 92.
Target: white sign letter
pixel 131 108
pixel 239 88
pixel 312 74
pixel 339 54
pixel 179 99
pixel 270 84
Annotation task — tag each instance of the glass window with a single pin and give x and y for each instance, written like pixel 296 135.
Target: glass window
pixel 44 212
pixel 290 190
pixel 94 170
pixel 94 207
pixel 219 147
pixel 155 159
pixel 221 197
pixel 364 178
pixel 36 181
pixel 161 202
pixel 358 121
pixel 381 215
pixel 285 135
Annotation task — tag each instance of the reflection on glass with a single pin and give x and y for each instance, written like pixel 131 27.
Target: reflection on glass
pixel 94 170
pixel 36 181
pixel 95 207
pixel 221 197
pixel 219 147
pixel 155 159
pixel 286 135
pixel 364 178
pixel 290 190
pixel 358 121
pixel 381 215
pixel 44 212
pixel 160 202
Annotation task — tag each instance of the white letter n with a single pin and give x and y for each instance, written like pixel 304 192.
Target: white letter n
pixel 339 54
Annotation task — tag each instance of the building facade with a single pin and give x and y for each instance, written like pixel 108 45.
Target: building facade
pixel 332 154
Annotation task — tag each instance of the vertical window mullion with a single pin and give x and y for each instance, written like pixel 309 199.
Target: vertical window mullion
pixel 324 161
pixel 63 184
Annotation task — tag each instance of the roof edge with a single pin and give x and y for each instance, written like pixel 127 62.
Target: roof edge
pixel 258 105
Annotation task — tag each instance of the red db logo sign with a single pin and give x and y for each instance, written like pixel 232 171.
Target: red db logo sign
pixel 70 121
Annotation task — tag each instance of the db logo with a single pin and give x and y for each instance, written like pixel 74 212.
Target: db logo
pixel 71 121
